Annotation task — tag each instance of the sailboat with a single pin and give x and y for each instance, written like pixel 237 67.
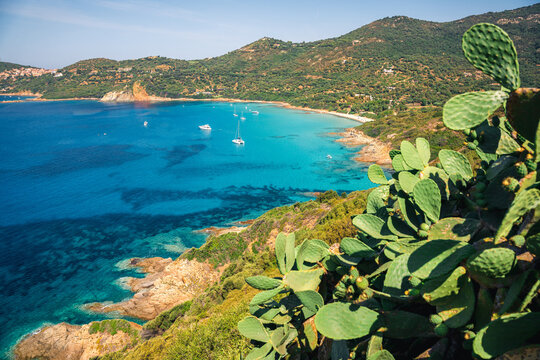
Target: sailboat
pixel 234 113
pixel 242 117
pixel 238 139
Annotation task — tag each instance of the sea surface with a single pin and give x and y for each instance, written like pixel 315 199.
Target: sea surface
pixel 86 185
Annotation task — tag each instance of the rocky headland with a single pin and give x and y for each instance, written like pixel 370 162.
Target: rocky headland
pixel 373 150
pixel 73 342
pixel 167 283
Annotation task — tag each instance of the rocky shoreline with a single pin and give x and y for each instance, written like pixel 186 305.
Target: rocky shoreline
pixel 373 150
pixel 167 283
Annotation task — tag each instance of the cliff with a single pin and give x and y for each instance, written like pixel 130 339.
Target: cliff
pixel 135 93
pixel 72 342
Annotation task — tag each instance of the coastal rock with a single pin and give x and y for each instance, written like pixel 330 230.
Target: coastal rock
pixel 71 342
pixel 136 93
pixel 373 151
pixel 167 284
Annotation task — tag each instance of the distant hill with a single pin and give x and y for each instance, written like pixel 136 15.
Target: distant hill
pixel 8 66
pixel 388 63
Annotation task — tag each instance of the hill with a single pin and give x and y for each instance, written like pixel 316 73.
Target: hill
pixel 386 64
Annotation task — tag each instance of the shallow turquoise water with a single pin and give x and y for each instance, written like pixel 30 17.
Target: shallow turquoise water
pixel 84 185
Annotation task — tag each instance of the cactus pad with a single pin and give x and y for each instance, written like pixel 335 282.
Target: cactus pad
pixel 356 248
pixel 422 145
pixel 469 110
pixel 437 257
pixel 373 226
pixel 427 196
pixel 303 280
pixel 455 163
pixel 525 201
pixel 342 321
pixel 437 290
pixel 404 325
pixel 285 252
pixel 457 310
pixel 407 181
pixel 505 334
pixel 263 282
pixel 411 156
pixel 376 175
pixel 264 296
pixel 454 228
pixel 395 281
pixel 252 328
pixel 494 263
pixel 490 49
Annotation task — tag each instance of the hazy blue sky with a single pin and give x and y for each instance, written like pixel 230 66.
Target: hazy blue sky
pixel 56 33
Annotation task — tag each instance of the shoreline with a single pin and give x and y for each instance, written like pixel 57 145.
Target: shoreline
pixel 358 118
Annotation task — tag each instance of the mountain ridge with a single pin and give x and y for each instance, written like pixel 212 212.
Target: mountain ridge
pixel 386 64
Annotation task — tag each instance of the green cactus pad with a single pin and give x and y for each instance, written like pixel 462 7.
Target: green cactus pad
pixel 356 248
pixel 468 110
pixel 399 164
pixel 381 355
pixel 533 244
pixel 453 228
pixel 484 308
pixel 427 196
pixel 407 181
pixel 395 281
pixel 264 296
pixel 311 251
pixel 376 175
pixel 263 282
pixel 440 177
pixel 311 300
pixel 303 280
pixel 525 201
pixel 285 252
pixel 404 325
pixel 373 226
pixel 494 263
pixel 408 213
pixel 252 328
pixel 499 165
pixel 411 155
pixel 399 228
pixel 375 345
pixel 496 141
pixel 375 201
pixel 506 333
pixel 457 310
pixel 438 290
pixel 490 49
pixel 422 145
pixel 342 321
pixel 455 163
pixel 513 292
pixel 437 257
pixel 404 246
pixel 259 353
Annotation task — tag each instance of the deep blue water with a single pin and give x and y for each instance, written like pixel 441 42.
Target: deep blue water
pixel 85 185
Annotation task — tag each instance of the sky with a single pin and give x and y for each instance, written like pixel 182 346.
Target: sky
pixel 57 33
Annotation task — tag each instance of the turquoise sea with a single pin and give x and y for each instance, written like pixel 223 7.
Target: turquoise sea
pixel 85 185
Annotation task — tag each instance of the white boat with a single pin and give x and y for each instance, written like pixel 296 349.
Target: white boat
pixel 328 156
pixel 205 127
pixel 145 124
pixel 242 117
pixel 237 138
pixel 254 112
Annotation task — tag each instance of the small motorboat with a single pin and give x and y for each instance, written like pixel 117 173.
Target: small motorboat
pixel 328 156
pixel 255 112
pixel 145 124
pixel 205 127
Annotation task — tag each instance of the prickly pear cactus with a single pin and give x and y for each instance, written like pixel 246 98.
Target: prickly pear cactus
pixel 444 264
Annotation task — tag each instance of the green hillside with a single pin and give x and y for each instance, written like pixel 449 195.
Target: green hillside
pixel 388 63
